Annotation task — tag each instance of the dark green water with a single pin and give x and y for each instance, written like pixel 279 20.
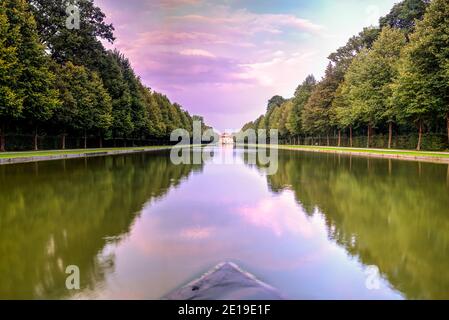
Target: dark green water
pixel 138 226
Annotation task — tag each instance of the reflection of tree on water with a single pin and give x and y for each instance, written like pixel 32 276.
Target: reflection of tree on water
pixel 390 214
pixel 64 213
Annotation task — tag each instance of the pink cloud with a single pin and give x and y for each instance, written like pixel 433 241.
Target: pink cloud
pixel 197 233
pixel 247 22
pixel 187 68
pixel 280 216
pixel 175 3
pixel 174 38
pixel 223 52
pixel 197 53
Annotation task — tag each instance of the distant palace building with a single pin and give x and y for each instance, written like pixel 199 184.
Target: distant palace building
pixel 226 138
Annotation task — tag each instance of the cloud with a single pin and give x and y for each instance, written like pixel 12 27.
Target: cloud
pixel 245 22
pixel 197 233
pixel 277 71
pixel 197 53
pixel 174 3
pixel 233 56
pixel 280 216
pixel 188 68
pixel 174 38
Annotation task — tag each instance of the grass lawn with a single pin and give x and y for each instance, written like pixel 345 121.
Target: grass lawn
pixel 46 153
pixel 412 153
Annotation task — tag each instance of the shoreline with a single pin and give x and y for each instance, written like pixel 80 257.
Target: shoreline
pixel 406 155
pixel 52 155
pixel 394 154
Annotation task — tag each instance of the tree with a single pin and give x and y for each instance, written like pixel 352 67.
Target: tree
pixel 137 107
pixel 186 120
pixel 274 118
pixel 114 80
pixel 36 82
pixel 52 75
pixel 101 108
pixel 403 15
pixel 248 126
pixel 422 87
pixel 68 87
pixel 11 101
pixel 286 111
pixel 261 123
pixel 164 105
pixel 86 104
pixel 342 114
pixel 369 78
pixel 79 46
pixel 357 88
pixel 343 57
pixel 316 113
pixel 302 95
pixel 274 102
pixel 155 124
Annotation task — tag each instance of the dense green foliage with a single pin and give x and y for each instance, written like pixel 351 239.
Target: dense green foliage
pixel 60 81
pixel 366 90
pixel 422 88
pixel 387 79
pixel 403 15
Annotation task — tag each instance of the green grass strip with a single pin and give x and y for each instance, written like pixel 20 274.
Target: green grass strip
pixel 412 153
pixel 46 153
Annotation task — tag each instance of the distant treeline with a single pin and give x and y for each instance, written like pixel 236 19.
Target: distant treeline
pixel 58 81
pixel 386 80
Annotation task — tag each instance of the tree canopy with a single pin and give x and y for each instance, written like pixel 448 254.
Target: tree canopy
pixel 59 80
pixel 395 75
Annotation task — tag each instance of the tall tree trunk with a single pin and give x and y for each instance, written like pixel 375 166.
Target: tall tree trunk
pixel 419 136
pixel 85 139
pixel 350 137
pixel 35 142
pixel 339 138
pixel 328 140
pixel 100 139
pixel 63 141
pixel 390 134
pixel 2 138
pixel 368 144
pixel 447 120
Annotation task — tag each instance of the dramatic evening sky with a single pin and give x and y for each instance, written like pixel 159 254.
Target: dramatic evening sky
pixel 224 59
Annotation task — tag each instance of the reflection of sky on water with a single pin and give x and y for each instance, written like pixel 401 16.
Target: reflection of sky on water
pixel 227 213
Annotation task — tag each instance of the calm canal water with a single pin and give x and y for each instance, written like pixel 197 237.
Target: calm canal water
pixel 138 226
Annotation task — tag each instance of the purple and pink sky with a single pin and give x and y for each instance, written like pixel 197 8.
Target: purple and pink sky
pixel 223 59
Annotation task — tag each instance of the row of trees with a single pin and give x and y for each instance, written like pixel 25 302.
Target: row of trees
pixel 386 78
pixel 60 81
